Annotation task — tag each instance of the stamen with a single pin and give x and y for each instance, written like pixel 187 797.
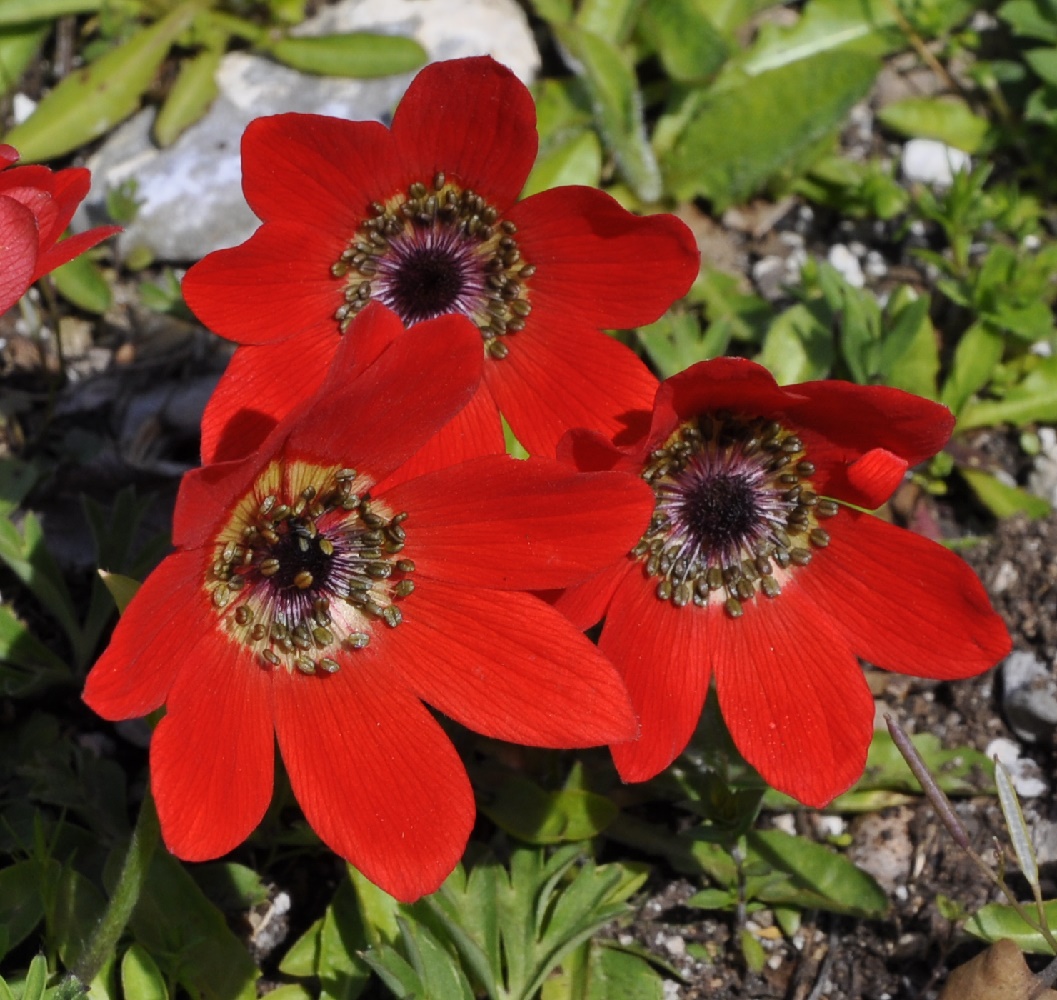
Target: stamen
pixel 300 578
pixel 438 250
pixel 736 514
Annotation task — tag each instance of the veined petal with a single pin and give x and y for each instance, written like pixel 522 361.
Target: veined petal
pixel 317 172
pixel 529 525
pixel 261 385
pixel 509 666
pixel 474 431
pixel 275 286
pixel 599 263
pixel 533 385
pixel 18 249
pixel 212 756
pixel 472 120
pixel 660 653
pixel 164 630
pixel 73 246
pixel 375 775
pixel 792 695
pixel 389 411
pixel 903 602
pixel 585 604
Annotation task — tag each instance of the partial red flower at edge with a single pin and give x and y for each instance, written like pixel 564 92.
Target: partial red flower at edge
pixel 755 574
pixel 317 594
pixel 423 217
pixel 36 205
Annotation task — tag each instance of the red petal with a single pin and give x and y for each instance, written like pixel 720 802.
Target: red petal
pixel 273 287
pixel 8 155
pixel 375 775
pixel 212 756
pixel 533 385
pixel 793 697
pixel 585 604
pixel 598 263
pixel 261 385
pixel 68 188
pixel 385 414
pixel 206 498
pixel 318 172
pixel 473 121
pixel 660 653
pixel 903 602
pixel 18 250
pixel 507 524
pixel 73 246
pixel 508 666
pixel 162 629
pixel 474 431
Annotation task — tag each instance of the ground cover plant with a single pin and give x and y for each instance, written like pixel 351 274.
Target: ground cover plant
pixel 586 473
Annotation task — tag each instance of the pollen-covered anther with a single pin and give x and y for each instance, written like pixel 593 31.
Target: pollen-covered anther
pixel 434 250
pixel 300 579
pixel 736 512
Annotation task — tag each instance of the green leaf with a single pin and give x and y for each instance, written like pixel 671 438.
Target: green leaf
pixel 23 11
pixel 122 588
pixel 78 905
pixel 949 120
pixel 1029 19
pixel 190 95
pixel 746 133
pixel 910 356
pixel 140 976
pixel 21 906
pixel 1019 834
pixel 798 347
pixel 341 971
pixel 526 811
pixel 90 101
pixel 1032 399
pixel 35 667
pixel 1002 499
pixel 358 54
pixel 188 935
pixel 36 979
pixel 607 972
pixel 575 159
pixel 978 352
pixel 863 27
pixel 815 876
pixel 616 105
pixel 81 282
pixel 689 46
pixel 998 920
pixel 19 46
pixel 608 19
pixel 676 341
pixel 1044 63
pixel 727 15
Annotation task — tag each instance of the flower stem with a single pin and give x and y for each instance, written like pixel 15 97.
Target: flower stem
pixel 111 926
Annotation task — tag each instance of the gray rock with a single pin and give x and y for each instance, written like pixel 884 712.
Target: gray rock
pixel 190 194
pixel 1025 773
pixel 1029 697
pixel 1042 480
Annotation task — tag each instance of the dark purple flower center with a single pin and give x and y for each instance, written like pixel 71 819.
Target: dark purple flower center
pixel 437 250
pixel 301 579
pixel 736 511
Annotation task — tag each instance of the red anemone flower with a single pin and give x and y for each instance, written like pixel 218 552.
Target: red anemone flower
pixel 36 205
pixel 318 594
pixel 424 217
pixel 759 574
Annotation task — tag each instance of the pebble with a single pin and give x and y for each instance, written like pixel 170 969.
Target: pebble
pixel 1024 772
pixel 1029 697
pixel 190 194
pixel 927 161
pixel 1042 480
pixel 847 264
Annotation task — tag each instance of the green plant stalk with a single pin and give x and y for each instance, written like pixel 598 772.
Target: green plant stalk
pixel 103 942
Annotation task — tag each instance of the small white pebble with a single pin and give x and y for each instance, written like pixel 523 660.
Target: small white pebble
pixel 927 161
pixel 847 264
pixel 675 946
pixel 22 106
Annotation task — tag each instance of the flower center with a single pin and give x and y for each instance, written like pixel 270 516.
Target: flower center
pixel 307 567
pixel 736 512
pixel 438 250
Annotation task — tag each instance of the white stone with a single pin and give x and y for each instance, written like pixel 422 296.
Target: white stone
pixel 22 106
pixel 1042 481
pixel 190 194
pixel 1024 772
pixel 847 264
pixel 928 161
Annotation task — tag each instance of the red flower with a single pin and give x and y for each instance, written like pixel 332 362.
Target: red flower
pixel 36 205
pixel 749 578
pixel 423 217
pixel 316 593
